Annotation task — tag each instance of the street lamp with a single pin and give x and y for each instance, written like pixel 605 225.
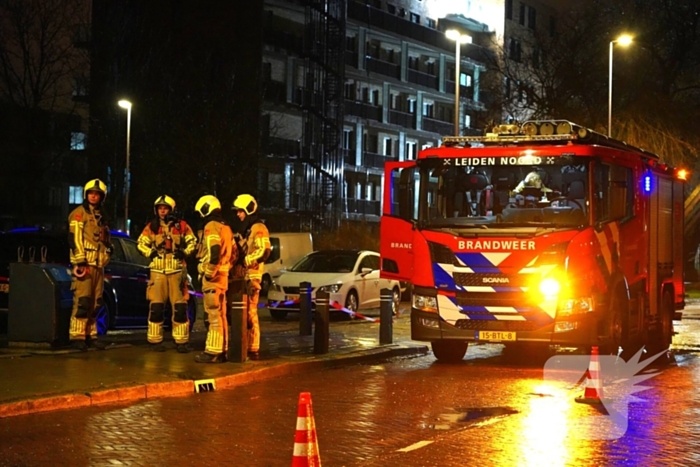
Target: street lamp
pixel 124 104
pixel 459 39
pixel 624 40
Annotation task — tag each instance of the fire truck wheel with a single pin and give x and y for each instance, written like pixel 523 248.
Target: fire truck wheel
pixel 665 333
pixel 616 332
pixel 449 351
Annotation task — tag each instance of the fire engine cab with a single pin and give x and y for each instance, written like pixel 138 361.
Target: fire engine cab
pixel 544 234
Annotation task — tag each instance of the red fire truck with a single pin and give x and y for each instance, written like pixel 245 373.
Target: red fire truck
pixel 545 234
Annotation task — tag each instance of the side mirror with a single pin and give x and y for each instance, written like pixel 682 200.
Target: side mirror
pixel 365 271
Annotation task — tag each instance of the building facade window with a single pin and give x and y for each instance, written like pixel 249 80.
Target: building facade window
pixel 509 9
pixel 77 141
pixel 75 195
pixel 415 18
pixel 428 109
pixel 431 23
pixel 410 150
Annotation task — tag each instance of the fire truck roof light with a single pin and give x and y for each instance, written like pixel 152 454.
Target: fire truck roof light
pixel 682 174
pixel 647 184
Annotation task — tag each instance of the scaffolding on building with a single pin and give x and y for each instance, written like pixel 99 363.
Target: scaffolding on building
pixel 322 106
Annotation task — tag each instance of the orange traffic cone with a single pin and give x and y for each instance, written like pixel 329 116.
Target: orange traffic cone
pixel 594 383
pixel 305 441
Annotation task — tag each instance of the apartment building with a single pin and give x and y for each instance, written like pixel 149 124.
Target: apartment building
pixel 398 96
pixel 43 110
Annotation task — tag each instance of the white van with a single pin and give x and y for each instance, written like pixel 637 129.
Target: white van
pixel 287 249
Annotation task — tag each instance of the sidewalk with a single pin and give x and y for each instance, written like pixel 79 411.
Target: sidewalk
pixel 39 379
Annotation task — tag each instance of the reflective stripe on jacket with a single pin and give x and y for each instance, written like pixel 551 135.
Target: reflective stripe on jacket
pixel 88 236
pixel 259 247
pixel 181 238
pixel 215 251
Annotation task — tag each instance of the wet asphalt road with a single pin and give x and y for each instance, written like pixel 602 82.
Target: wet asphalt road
pixel 488 410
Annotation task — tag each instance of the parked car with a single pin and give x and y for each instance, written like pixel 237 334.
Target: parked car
pixel 287 249
pixel 350 277
pixel 126 276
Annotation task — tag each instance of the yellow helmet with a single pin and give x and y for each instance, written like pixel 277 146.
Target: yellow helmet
pixel 95 185
pixel 206 205
pixel 164 200
pixel 247 203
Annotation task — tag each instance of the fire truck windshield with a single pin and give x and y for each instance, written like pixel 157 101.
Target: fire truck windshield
pixel 554 193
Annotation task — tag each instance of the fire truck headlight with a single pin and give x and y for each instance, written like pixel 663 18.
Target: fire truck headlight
pixel 425 303
pixel 550 287
pixel 573 306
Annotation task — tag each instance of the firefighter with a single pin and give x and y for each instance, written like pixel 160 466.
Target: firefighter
pixel 216 253
pixel 167 241
pixel 90 247
pixel 254 250
pixel 534 180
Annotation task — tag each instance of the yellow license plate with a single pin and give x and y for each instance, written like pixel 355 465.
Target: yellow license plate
pixel 496 336
pixel 5 288
pixel 291 297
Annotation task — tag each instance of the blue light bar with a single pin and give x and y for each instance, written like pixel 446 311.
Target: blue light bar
pixel 647 184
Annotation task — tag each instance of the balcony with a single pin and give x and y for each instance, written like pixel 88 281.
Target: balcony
pixel 423 79
pixel 438 126
pixel 351 58
pixel 362 110
pixel 282 147
pixel 406 120
pixel 274 91
pixel 363 207
pixel 375 17
pixel 375 161
pixel 383 68
pixel 348 156
pixel 464 91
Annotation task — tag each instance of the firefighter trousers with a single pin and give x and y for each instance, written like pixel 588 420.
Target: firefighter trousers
pixel 215 307
pixel 251 299
pixel 164 288
pixel 87 299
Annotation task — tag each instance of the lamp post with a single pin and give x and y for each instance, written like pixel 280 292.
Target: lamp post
pixel 623 40
pixel 459 39
pixel 124 104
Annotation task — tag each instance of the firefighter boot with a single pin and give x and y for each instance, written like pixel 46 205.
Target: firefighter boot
pixel 182 348
pixel 210 358
pixel 96 344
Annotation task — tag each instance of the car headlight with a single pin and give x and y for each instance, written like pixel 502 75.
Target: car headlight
pixel 425 303
pixel 333 288
pixel 573 306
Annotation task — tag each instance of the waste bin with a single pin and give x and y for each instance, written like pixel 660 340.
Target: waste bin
pixel 40 303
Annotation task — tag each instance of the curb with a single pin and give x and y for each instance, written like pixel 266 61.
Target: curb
pixel 182 387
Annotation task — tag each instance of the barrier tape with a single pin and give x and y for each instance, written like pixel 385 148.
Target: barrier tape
pixel 354 314
pixel 286 303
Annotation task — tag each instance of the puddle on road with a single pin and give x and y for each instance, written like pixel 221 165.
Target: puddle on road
pixel 474 416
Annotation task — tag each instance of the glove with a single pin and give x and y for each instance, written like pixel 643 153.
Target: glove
pixel 154 255
pixel 179 254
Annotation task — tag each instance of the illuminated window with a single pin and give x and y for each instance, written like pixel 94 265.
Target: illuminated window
pixel 75 195
pixel 77 141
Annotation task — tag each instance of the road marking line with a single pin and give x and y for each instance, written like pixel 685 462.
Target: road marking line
pixel 415 446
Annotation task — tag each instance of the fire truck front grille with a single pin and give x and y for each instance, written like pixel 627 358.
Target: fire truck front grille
pixel 517 300
pixel 495 325
pixel 490 280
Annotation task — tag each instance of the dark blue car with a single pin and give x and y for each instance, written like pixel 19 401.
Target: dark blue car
pixel 126 276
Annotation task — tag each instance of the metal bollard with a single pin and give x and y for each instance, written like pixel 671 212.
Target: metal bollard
pixel 238 320
pixel 386 316
pixel 321 323
pixel 305 318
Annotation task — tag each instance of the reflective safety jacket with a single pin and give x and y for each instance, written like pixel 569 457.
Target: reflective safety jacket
pixel 165 238
pixel 257 251
pixel 216 251
pixel 88 236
